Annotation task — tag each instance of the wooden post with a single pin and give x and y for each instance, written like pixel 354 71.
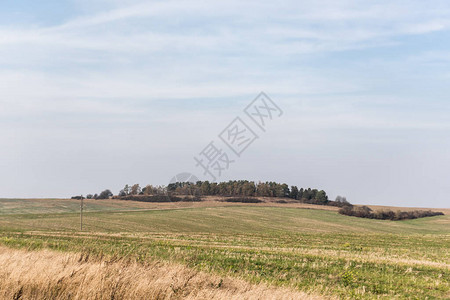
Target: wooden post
pixel 81 213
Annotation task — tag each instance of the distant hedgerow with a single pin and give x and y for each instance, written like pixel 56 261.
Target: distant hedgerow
pixel 243 200
pixel 160 198
pixel 366 212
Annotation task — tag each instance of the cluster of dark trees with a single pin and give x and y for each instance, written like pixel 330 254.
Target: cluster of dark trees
pixel 245 188
pixel 367 212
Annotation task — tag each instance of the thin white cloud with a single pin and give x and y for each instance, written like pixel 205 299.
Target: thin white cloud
pixel 331 22
pixel 103 38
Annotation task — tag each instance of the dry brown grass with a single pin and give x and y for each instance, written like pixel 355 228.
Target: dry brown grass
pixel 54 275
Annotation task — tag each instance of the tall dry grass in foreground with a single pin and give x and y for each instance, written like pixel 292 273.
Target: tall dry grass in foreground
pixel 55 275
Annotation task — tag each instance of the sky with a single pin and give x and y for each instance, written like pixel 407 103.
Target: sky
pixel 98 94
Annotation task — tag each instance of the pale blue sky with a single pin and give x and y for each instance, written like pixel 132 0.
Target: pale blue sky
pixel 96 94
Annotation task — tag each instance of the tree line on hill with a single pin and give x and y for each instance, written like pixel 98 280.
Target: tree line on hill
pixel 238 188
pixel 232 188
pixel 248 192
pixel 245 188
pixel 106 194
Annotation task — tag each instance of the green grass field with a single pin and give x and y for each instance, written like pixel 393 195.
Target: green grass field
pixel 317 251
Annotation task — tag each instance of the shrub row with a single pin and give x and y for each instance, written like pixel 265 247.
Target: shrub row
pixel 160 198
pixel 366 212
pixel 242 200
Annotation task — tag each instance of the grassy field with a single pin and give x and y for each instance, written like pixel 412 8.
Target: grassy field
pixel 290 246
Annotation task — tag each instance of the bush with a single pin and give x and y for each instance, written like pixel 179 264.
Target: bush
pixel 106 194
pixel 339 202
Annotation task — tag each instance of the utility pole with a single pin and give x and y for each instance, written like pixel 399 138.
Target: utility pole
pixel 81 212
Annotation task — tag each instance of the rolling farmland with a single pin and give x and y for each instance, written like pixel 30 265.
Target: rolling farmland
pixel 294 248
